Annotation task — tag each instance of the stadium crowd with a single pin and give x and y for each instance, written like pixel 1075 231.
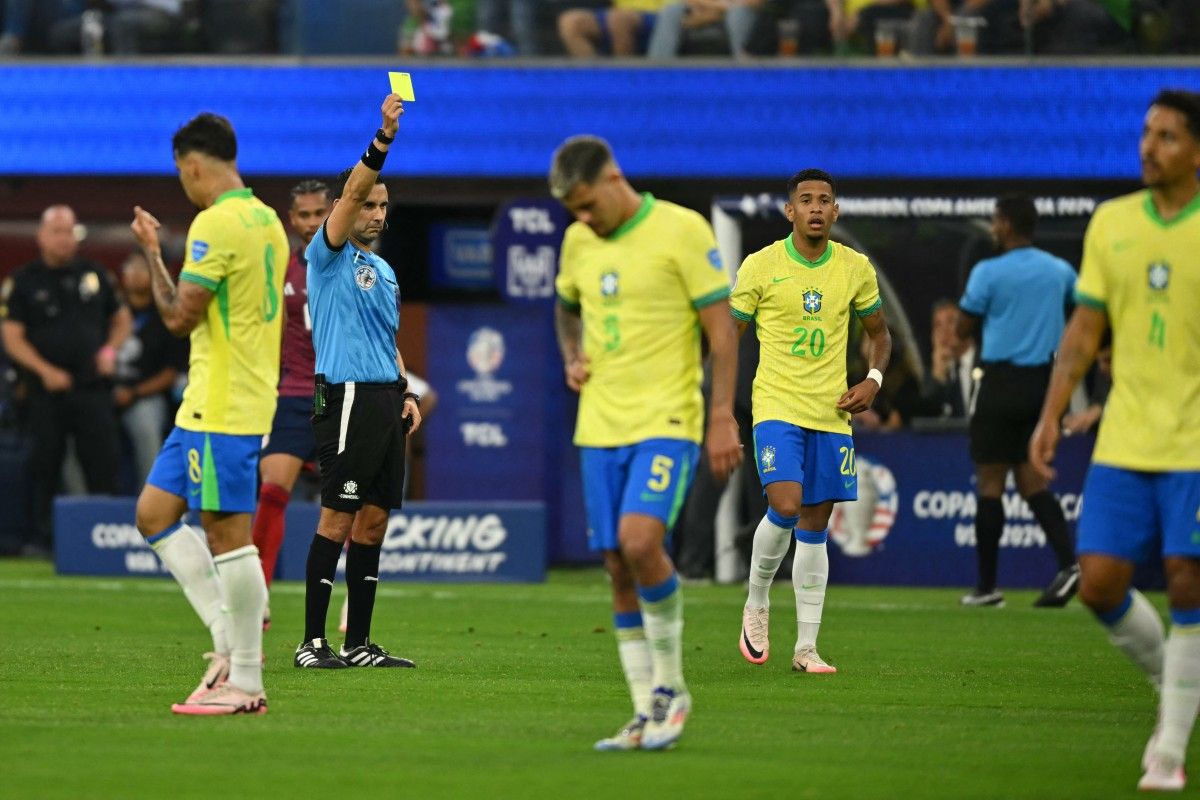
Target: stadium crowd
pixel 657 29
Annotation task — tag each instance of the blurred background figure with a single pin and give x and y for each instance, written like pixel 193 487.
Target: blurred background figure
pixel 737 17
pixel 41 26
pixel 62 326
pixel 622 29
pixel 517 18
pixel 949 389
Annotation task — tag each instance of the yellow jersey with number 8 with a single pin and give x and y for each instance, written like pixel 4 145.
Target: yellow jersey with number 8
pixel 1144 273
pixel 802 311
pixel 238 250
pixel 639 291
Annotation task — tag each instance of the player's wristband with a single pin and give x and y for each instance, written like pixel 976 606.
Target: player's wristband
pixel 383 137
pixel 875 375
pixel 416 398
pixel 374 157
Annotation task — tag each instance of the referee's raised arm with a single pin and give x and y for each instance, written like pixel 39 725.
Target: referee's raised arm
pixel 358 186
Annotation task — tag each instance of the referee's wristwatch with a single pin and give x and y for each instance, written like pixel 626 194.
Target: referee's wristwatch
pixel 382 136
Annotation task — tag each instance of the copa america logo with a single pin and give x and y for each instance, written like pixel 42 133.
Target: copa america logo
pixel 859 526
pixel 485 354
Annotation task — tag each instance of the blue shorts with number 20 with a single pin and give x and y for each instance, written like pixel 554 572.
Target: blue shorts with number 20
pixel 212 471
pixel 650 477
pixel 820 461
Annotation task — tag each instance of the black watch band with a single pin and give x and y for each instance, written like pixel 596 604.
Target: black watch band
pixel 416 398
pixel 383 137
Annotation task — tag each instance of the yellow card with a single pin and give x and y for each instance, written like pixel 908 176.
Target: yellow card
pixel 402 85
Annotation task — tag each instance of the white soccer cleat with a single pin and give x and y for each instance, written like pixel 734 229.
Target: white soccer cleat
pixel 754 644
pixel 807 660
pixel 977 598
pixel 669 709
pixel 628 738
pixel 1163 776
pixel 224 700
pixel 343 620
pixel 216 675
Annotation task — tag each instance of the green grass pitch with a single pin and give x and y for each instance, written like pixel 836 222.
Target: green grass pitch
pixel 515 682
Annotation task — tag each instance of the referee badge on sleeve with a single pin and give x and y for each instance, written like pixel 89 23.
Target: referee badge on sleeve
pixel 364 276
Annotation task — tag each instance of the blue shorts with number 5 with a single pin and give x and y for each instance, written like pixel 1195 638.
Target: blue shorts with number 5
pixel 650 477
pixel 820 461
pixel 1137 516
pixel 212 471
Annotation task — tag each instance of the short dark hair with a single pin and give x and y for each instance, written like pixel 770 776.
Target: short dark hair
pixel 1186 103
pixel 1020 212
pixel 309 187
pixel 207 133
pixel 339 183
pixel 577 160
pixel 810 175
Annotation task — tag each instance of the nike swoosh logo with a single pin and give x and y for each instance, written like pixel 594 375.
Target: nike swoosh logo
pixel 809 586
pixel 781 280
pixel 847 484
pixel 1119 246
pixel 194 492
pixel 750 647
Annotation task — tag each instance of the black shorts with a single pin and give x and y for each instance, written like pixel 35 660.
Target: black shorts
pixel 1006 412
pixel 360 446
pixel 292 431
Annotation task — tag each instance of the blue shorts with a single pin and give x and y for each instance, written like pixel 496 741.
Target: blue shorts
pixel 645 30
pixel 212 471
pixel 820 461
pixel 292 431
pixel 650 477
pixel 1136 515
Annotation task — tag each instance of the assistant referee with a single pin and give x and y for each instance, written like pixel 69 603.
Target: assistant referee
pixel 361 407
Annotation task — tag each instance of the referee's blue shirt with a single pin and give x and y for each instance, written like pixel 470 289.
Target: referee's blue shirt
pixel 1022 297
pixel 353 298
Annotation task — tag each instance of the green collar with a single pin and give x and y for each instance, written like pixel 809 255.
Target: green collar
pixel 643 211
pixel 245 193
pixel 794 254
pixel 1152 210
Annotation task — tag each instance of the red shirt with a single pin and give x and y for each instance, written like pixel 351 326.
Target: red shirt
pixel 298 361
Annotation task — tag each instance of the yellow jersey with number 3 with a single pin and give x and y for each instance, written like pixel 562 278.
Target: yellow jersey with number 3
pixel 801 310
pixel 238 250
pixel 639 291
pixel 1144 273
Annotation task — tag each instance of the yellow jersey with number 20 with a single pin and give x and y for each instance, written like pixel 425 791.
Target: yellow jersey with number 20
pixel 1144 273
pixel 802 310
pixel 237 249
pixel 638 292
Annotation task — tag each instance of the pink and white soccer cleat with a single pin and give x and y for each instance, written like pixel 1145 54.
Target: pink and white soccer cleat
pixel 226 699
pixel 807 660
pixel 754 644
pixel 216 674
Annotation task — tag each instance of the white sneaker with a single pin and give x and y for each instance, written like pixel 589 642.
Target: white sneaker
pixel 343 620
pixel 978 598
pixel 669 709
pixel 754 644
pixel 807 660
pixel 1163 776
pixel 628 738
pixel 216 675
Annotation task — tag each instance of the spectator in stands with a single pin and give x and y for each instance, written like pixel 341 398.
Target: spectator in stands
pixel 148 363
pixel 521 17
pixel 44 26
pixel 900 398
pixel 62 325
pixel 853 21
pixel 622 29
pixel 144 26
pixel 428 28
pixel 738 17
pixel 1099 385
pixel 1077 27
pixel 949 387
pixel 933 31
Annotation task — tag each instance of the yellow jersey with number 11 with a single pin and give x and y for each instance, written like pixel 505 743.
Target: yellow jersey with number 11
pixel 1144 273
pixel 237 249
pixel 639 291
pixel 802 310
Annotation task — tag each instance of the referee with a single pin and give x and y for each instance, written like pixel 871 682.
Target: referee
pixel 361 407
pixel 1020 297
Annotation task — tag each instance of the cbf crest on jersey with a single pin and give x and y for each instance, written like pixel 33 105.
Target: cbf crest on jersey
pixel 767 459
pixel 1158 275
pixel 609 284
pixel 812 301
pixel 364 276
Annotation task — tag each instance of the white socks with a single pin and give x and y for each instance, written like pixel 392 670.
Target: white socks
pixel 1136 630
pixel 1180 688
pixel 245 593
pixel 662 615
pixel 771 540
pixel 810 573
pixel 634 651
pixel 186 555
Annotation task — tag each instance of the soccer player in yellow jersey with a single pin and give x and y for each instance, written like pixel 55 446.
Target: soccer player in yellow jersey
pixel 1141 277
pixel 230 300
pixel 639 277
pixel 801 292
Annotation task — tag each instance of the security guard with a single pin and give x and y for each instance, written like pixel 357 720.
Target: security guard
pixel 62 323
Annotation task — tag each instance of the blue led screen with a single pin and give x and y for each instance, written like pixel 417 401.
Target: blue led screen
pixel 504 121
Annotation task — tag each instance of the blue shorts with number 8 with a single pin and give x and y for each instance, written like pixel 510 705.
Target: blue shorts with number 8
pixel 820 461
pixel 650 477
